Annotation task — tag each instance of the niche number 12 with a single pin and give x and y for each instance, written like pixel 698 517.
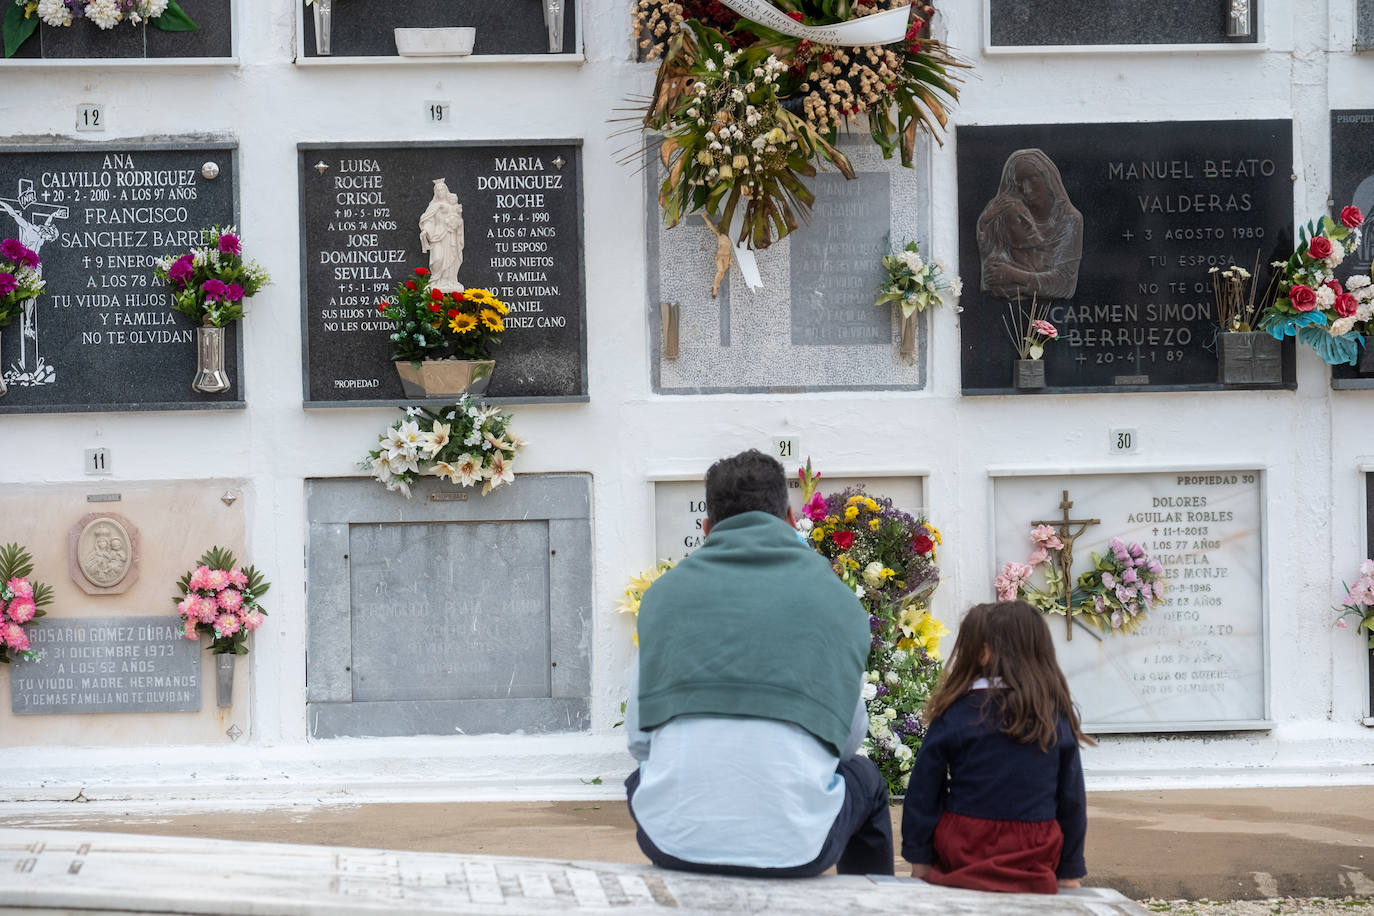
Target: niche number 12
pixel 90 117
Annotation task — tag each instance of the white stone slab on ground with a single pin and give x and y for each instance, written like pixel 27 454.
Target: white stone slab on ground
pixel 59 872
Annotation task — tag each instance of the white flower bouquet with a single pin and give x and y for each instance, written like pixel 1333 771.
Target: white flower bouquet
pixel 465 444
pixel 915 283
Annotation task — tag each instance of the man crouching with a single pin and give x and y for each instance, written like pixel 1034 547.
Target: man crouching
pixel 745 709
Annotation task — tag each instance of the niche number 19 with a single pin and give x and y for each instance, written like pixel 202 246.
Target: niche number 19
pixel 438 112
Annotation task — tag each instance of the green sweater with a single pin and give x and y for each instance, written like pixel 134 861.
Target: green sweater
pixel 756 624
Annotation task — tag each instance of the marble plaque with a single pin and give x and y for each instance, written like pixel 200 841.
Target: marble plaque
pixel 1036 23
pixel 680 506
pixel 521 238
pixel 1112 229
pixel 1352 182
pixel 1197 664
pixel 103 336
pixel 813 326
pixel 107 664
pixel 440 615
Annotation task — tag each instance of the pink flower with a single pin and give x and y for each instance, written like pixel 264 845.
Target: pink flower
pixel 815 510
pixel 226 625
pixel 1045 536
pixel 1044 329
pixel 217 580
pixel 22 610
pixel 20 587
pixel 200 579
pixel 237 578
pixel 1367 567
pixel 206 609
pixel 1038 556
pixel 187 606
pixel 13 635
pixel 253 619
pixel 230 599
pixel 188 629
pixel 1340 622
pixel 229 243
pixel 1010 580
pixel 1109 580
pixel 181 270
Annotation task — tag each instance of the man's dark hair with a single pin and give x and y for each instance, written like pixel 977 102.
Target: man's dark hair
pixel 748 482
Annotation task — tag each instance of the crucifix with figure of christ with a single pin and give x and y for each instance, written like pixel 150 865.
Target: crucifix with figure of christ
pixel 34 221
pixel 1064 527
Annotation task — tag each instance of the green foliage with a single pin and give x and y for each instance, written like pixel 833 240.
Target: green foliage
pixel 17 28
pixel 174 19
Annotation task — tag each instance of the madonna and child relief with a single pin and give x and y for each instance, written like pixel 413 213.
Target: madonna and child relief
pixel 1030 235
pixel 103 552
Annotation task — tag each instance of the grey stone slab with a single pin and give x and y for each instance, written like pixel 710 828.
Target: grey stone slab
pixel 103 336
pixel 82 870
pixel 1364 25
pixel 1110 22
pixel 1352 182
pixel 813 325
pixel 462 608
pixel 126 664
pixel 438 615
pixel 84 39
pixel 215 38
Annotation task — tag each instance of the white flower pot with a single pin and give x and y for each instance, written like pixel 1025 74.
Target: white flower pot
pixel 435 42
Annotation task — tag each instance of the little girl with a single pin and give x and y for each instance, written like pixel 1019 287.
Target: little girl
pixel 996 801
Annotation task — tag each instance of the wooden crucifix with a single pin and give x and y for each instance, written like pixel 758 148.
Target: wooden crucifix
pixel 1064 527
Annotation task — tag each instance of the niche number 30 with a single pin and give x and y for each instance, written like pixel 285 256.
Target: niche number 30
pixel 1123 441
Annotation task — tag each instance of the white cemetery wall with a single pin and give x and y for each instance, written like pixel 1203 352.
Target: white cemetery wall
pixel 1307 441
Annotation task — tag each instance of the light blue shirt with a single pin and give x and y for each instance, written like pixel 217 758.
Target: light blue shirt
pixel 728 790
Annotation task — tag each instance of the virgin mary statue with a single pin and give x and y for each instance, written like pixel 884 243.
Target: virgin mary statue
pixel 441 236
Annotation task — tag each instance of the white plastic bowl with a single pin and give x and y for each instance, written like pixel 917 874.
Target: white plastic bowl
pixel 435 42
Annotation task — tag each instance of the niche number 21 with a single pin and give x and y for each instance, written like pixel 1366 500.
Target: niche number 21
pixel 786 448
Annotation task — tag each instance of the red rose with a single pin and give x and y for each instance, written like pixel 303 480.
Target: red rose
pixel 434 307
pixel 922 544
pixel 435 294
pixel 421 272
pixel 1346 305
pixel 456 297
pixel 381 307
pixel 1334 285
pixel 1319 248
pixel 410 284
pixel 1302 297
pixel 1352 217
pixel 795 15
pixel 843 539
pixel 453 313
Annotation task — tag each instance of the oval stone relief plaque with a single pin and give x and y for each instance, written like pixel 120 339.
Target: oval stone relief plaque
pixel 104 555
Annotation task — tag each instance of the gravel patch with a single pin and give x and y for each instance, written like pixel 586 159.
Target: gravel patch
pixel 1274 906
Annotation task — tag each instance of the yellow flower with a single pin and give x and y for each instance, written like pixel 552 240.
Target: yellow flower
pixel 492 320
pixel 853 500
pixel 887 573
pixel 818 535
pixel 875 523
pixel 934 534
pixel 478 295
pixel 462 323
pixel 924 630
pixel 499 306
pixel 851 513
pixel 871 504
pixel 832 519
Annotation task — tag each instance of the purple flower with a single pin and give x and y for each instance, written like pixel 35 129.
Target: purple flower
pixel 1154 567
pixel 235 292
pixel 1129 578
pixel 1109 580
pixel 16 251
pixel 882 692
pixel 875 642
pixel 181 270
pixel 230 244
pixel 7 283
pixel 1135 550
pixel 215 289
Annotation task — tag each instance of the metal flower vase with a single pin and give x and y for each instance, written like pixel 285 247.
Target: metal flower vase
pixel 324 18
pixel 553 21
pixel 1249 358
pixel 1030 374
pixel 3 389
pixel 1365 366
pixel 224 679
pixel 445 378
pixel 210 375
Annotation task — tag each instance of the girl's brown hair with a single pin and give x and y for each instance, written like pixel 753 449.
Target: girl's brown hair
pixel 1033 692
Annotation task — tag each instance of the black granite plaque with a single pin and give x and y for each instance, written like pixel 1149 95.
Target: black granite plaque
pixel 522 216
pixel 1112 22
pixel 82 39
pixel 364 28
pixel 1364 27
pixel 103 336
pixel 1352 182
pixel 1114 227
pixel 1369 552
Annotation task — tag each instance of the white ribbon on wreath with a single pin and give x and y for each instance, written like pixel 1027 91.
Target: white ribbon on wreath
pixel 879 29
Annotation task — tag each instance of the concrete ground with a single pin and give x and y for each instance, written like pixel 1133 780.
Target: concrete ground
pixel 1194 844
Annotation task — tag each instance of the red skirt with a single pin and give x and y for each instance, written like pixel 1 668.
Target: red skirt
pixel 986 855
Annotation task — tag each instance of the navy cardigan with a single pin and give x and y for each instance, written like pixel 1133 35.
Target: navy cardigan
pixel 967 766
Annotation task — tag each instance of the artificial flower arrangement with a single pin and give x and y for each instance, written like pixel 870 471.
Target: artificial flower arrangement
pixel 1029 329
pixel 19 278
pixel 221 600
pixel 210 284
pixel 888 558
pixel 1359 601
pixel 747 113
pixel 1306 300
pixel 465 444
pixel 21 602
pixel 1115 595
pixel 914 283
pixel 434 324
pixel 22 16
pixel 635 589
pixel 1237 309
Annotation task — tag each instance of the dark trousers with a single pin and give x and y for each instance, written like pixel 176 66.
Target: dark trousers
pixel 859 841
